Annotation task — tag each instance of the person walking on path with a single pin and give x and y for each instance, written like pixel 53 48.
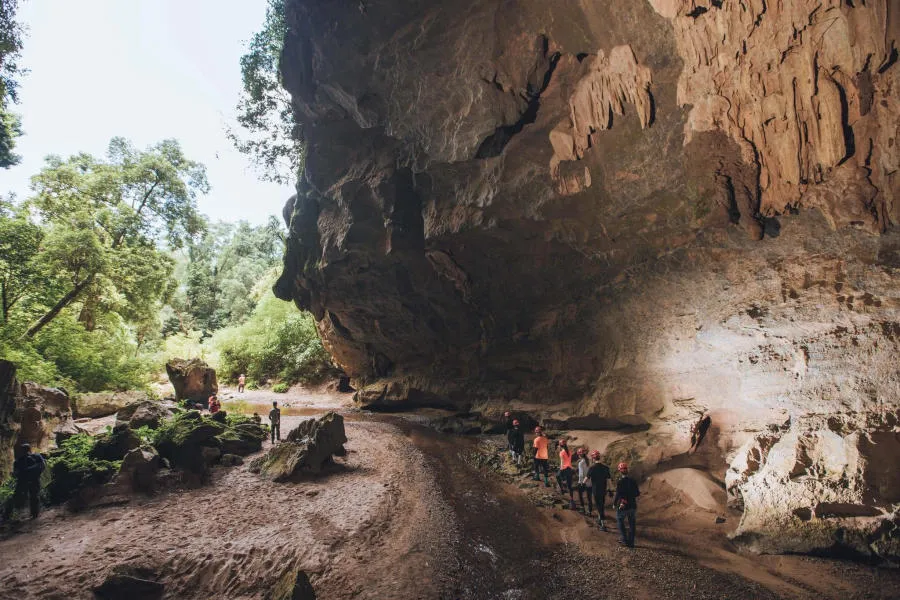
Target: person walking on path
pixel 584 482
pixel 275 420
pixel 599 475
pixel 241 381
pixel 625 502
pixel 27 471
pixel 565 472
pixel 698 431
pixel 541 447
pixel 516 441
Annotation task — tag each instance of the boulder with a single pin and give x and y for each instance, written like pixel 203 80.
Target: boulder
pixel 115 444
pixel 139 468
pixel 308 449
pixel 131 583
pixel 146 413
pixel 192 379
pixel 231 460
pixel 102 404
pixel 182 439
pixel 242 439
pixel 219 417
pixel 45 411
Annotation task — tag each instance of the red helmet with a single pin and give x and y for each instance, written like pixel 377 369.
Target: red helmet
pixel 563 442
pixel 595 454
pixel 623 467
pixel 538 429
pixel 506 414
pixel 515 422
pixel 580 451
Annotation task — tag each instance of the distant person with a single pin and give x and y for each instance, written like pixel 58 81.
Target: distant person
pixel 515 439
pixel 599 475
pixel 256 418
pixel 507 421
pixel 698 431
pixel 584 483
pixel 241 381
pixel 625 502
pixel 541 447
pixel 214 405
pixel 565 472
pixel 275 420
pixel 27 471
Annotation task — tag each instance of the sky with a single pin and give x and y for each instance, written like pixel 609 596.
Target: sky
pixel 146 70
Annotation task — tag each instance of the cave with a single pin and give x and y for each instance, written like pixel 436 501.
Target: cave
pixel 619 214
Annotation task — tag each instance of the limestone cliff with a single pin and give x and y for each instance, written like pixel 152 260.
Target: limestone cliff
pixel 630 209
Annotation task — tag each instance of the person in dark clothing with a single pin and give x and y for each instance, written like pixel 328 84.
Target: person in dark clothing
pixel 27 470
pixel 599 475
pixel 698 431
pixel 625 502
pixel 516 441
pixel 275 421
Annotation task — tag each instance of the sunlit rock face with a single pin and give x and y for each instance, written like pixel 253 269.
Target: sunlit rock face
pixel 630 209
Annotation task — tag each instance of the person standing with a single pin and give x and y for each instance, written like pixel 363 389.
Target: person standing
pixel 698 431
pixel 541 447
pixel 241 381
pixel 599 475
pixel 565 472
pixel 584 482
pixel 214 405
pixel 275 420
pixel 625 502
pixel 27 471
pixel 515 439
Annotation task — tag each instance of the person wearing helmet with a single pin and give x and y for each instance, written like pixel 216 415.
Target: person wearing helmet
pixel 625 502
pixel 565 472
pixel 584 483
pixel 599 475
pixel 516 442
pixel 541 447
pixel 27 471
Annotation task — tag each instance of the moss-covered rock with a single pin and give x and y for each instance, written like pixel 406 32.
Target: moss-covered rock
pixel 73 467
pixel 242 439
pixel 308 449
pixel 181 439
pixel 115 444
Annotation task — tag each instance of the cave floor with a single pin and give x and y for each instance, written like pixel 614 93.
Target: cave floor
pixel 404 515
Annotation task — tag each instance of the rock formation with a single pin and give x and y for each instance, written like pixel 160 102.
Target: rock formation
pixel 102 404
pixel 146 413
pixel 10 408
pixel 192 379
pixel 308 449
pixel 628 211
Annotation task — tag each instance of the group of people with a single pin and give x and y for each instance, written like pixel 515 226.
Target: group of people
pixel 589 478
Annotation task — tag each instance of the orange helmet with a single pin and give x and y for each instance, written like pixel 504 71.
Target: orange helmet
pixel 623 467
pixel 595 454
pixel 515 422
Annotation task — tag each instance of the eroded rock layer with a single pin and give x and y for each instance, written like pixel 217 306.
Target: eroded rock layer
pixel 633 209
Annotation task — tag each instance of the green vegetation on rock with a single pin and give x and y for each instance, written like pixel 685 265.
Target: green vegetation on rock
pixel 74 465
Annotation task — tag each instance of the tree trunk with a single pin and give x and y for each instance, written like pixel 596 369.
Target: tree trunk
pixel 63 302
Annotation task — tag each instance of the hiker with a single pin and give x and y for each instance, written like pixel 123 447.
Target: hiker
pixel 256 418
pixel 516 441
pixel 625 502
pixel 507 421
pixel 698 431
pixel 241 381
pixel 598 475
pixel 275 420
pixel 584 482
pixel 214 405
pixel 565 471
pixel 541 447
pixel 27 470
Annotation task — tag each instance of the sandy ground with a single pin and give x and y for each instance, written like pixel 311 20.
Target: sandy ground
pixel 405 516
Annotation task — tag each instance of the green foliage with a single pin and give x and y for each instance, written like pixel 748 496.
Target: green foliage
pixel 7 488
pixel 276 341
pixel 72 467
pixel 265 113
pixel 252 386
pixel 146 434
pixel 280 388
pixel 233 419
pixel 10 47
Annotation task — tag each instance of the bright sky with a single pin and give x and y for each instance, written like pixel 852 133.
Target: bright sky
pixel 146 70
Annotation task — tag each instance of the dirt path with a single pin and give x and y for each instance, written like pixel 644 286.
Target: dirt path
pixel 406 516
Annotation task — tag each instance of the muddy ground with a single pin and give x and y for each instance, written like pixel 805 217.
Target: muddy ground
pixel 406 515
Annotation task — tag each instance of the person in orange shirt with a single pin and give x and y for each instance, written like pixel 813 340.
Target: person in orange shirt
pixel 541 447
pixel 565 472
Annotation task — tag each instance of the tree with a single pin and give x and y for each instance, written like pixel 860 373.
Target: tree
pixel 10 47
pixel 20 271
pixel 106 220
pixel 271 136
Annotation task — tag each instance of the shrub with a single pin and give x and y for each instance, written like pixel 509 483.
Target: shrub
pixel 280 388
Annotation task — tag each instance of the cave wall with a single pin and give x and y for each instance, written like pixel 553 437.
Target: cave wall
pixel 631 209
